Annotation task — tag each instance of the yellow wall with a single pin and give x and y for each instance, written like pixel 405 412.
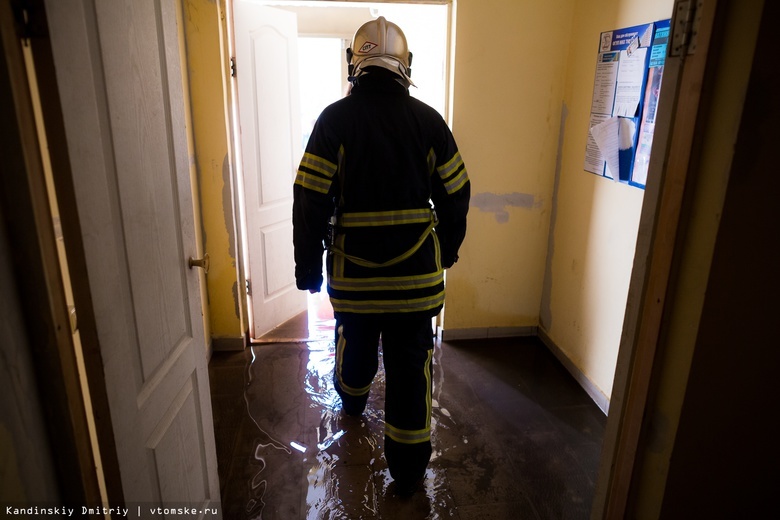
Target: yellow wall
pixel 510 64
pixel 211 159
pixel 524 71
pixel 596 220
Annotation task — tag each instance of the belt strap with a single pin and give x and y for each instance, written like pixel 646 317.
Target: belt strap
pixel 433 221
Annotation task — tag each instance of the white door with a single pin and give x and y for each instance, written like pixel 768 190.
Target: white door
pixel 119 73
pixel 270 141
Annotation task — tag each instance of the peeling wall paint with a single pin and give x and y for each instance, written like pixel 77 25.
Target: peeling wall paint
pixel 498 203
pixel 227 208
pixel 210 135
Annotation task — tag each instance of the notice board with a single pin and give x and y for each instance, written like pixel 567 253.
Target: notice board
pixel 629 70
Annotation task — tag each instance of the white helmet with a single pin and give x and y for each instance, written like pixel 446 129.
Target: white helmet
pixel 380 43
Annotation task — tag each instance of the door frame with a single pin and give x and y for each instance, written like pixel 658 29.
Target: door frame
pixel 41 283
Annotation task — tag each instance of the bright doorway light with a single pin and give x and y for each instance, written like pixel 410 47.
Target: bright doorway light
pixel 425 28
pixel 319 60
pixel 321 53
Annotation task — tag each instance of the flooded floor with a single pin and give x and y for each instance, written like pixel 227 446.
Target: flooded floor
pixel 514 436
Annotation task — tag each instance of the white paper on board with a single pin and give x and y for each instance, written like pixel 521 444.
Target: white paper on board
pixel 607 137
pixel 630 76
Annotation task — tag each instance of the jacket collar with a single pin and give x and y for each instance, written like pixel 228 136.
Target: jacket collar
pixel 377 79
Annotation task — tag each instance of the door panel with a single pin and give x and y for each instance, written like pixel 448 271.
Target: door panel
pixel 120 79
pixel 270 140
pixel 147 164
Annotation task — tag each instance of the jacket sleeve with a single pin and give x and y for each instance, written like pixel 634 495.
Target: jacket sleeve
pixel 313 203
pixel 450 193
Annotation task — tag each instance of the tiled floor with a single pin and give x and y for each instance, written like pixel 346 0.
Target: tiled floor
pixel 514 436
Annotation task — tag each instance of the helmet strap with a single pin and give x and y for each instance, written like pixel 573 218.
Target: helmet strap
pixel 350 66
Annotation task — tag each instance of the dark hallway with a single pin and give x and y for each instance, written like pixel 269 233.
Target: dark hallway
pixel 514 435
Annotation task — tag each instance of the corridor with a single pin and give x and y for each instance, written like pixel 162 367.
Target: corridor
pixel 514 436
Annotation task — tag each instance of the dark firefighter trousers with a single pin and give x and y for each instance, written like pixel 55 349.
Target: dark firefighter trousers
pixel 407 349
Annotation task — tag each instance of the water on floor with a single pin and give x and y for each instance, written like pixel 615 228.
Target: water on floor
pixel 513 435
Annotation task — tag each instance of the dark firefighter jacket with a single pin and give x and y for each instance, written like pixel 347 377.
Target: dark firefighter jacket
pixel 384 167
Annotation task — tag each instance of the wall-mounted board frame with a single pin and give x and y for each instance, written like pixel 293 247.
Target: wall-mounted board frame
pixel 629 71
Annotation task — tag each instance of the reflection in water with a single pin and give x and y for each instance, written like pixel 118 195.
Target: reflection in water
pixel 310 460
pixel 320 317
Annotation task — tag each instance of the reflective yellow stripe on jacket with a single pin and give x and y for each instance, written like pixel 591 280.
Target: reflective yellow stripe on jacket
pixel 453 172
pixel 399 293
pixel 385 218
pixel 315 173
pixel 369 306
pixel 389 283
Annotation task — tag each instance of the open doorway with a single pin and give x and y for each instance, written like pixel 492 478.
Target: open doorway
pixel 323 34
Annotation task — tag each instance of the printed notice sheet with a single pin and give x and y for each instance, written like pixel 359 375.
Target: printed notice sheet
pixel 594 159
pixel 604 84
pixel 630 82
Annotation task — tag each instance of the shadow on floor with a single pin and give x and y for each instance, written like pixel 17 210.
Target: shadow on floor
pixel 514 436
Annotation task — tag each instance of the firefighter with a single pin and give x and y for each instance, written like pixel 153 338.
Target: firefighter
pixel 383 188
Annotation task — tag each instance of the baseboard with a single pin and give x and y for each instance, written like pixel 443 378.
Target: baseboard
pixel 486 333
pixel 227 344
pixel 601 400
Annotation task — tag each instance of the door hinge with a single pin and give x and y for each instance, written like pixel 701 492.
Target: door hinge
pixel 687 17
pixel 233 67
pixel 248 288
pixel 74 322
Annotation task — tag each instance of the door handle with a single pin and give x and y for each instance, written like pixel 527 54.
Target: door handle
pixel 200 262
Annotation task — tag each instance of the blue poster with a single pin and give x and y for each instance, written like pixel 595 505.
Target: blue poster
pixel 628 71
pixel 650 104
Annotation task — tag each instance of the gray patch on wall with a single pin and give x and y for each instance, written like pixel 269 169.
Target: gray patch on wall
pixel 545 312
pixel 227 206
pixel 498 203
pixel 235 298
pixel 230 224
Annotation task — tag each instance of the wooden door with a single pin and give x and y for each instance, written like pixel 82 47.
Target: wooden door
pixel 118 67
pixel 270 141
